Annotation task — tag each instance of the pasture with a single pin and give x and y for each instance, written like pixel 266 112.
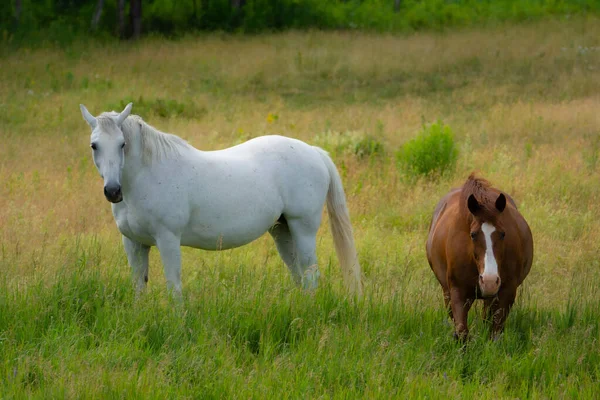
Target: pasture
pixel 523 102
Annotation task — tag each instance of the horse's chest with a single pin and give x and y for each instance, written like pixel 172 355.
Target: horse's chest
pixel 133 226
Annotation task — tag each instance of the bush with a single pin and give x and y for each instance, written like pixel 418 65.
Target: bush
pixel 432 153
pixel 60 21
pixel 340 143
pixel 368 146
pixel 163 108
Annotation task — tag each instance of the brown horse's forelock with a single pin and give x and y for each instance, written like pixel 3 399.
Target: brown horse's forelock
pixel 481 189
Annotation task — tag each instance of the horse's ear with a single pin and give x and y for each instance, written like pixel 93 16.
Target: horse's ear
pixel 124 114
pixel 473 205
pixel 91 120
pixel 501 202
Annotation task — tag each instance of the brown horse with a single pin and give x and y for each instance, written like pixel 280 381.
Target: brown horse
pixel 479 246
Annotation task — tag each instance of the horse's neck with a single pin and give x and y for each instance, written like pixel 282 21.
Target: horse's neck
pixel 133 159
pixel 138 160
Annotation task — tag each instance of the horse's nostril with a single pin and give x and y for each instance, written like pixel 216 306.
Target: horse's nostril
pixel 497 280
pixel 112 191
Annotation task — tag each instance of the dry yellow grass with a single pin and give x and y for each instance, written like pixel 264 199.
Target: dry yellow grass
pixel 522 101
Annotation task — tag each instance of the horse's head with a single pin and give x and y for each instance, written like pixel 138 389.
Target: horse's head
pixel 487 236
pixel 108 149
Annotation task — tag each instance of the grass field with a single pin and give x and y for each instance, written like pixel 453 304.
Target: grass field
pixel 523 102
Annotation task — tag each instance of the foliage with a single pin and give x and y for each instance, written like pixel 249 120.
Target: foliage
pixel 163 108
pixel 432 152
pixel 340 143
pixel 62 20
pixel 368 146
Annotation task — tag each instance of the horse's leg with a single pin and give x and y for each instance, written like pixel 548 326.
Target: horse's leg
pixel 500 308
pixel 487 308
pixel 460 310
pixel 304 236
pixel 286 248
pixel 169 247
pixel 447 302
pixel 137 255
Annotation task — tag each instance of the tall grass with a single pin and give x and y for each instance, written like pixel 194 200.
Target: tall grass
pixel 522 102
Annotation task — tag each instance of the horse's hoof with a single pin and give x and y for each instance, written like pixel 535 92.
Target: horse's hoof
pixel 461 337
pixel 310 278
pixel 496 336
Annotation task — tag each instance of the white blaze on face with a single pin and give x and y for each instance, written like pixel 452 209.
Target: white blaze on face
pixel 490 264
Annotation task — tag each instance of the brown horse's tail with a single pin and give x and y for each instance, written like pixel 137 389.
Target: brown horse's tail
pixel 341 228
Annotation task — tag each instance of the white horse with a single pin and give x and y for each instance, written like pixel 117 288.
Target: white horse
pixel 168 194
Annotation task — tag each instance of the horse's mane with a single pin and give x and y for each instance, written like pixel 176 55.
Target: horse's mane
pixel 482 190
pixel 155 144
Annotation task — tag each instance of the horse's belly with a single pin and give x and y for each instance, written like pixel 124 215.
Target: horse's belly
pixel 217 235
pixel 215 241
pixel 207 238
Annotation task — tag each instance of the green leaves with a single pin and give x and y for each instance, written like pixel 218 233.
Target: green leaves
pixel 432 153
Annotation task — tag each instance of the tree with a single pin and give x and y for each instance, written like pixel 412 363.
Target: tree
pixel 121 18
pixel 135 16
pixel 237 4
pixel 97 14
pixel 17 12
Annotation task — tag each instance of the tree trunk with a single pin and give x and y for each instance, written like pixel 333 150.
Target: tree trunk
pixel 237 4
pixel 18 8
pixel 397 5
pixel 194 13
pixel 202 15
pixel 121 18
pixel 135 14
pixel 97 14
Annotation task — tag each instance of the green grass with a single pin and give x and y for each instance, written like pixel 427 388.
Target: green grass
pixel 523 105
pixel 247 335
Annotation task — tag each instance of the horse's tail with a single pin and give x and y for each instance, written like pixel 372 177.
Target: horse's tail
pixel 341 228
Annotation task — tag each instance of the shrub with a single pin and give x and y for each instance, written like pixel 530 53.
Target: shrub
pixel 432 153
pixel 368 146
pixel 61 21
pixel 338 143
pixel 164 108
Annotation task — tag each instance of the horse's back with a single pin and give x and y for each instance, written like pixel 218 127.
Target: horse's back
pixel 268 144
pixel 522 245
pixel 451 198
pixel 441 206
pixel 441 221
pixel 296 167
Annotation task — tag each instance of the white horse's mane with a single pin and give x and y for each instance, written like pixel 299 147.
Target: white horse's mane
pixel 155 144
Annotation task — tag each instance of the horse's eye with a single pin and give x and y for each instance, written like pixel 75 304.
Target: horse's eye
pixel 93 146
pixel 473 235
pixel 123 145
pixel 502 234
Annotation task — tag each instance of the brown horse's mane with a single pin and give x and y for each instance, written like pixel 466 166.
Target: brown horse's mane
pixel 482 190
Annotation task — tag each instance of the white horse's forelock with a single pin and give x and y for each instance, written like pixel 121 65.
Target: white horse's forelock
pixel 155 145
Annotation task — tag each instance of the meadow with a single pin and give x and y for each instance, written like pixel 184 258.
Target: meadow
pixel 522 102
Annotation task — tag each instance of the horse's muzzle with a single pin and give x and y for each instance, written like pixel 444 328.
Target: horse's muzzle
pixel 113 193
pixel 489 285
